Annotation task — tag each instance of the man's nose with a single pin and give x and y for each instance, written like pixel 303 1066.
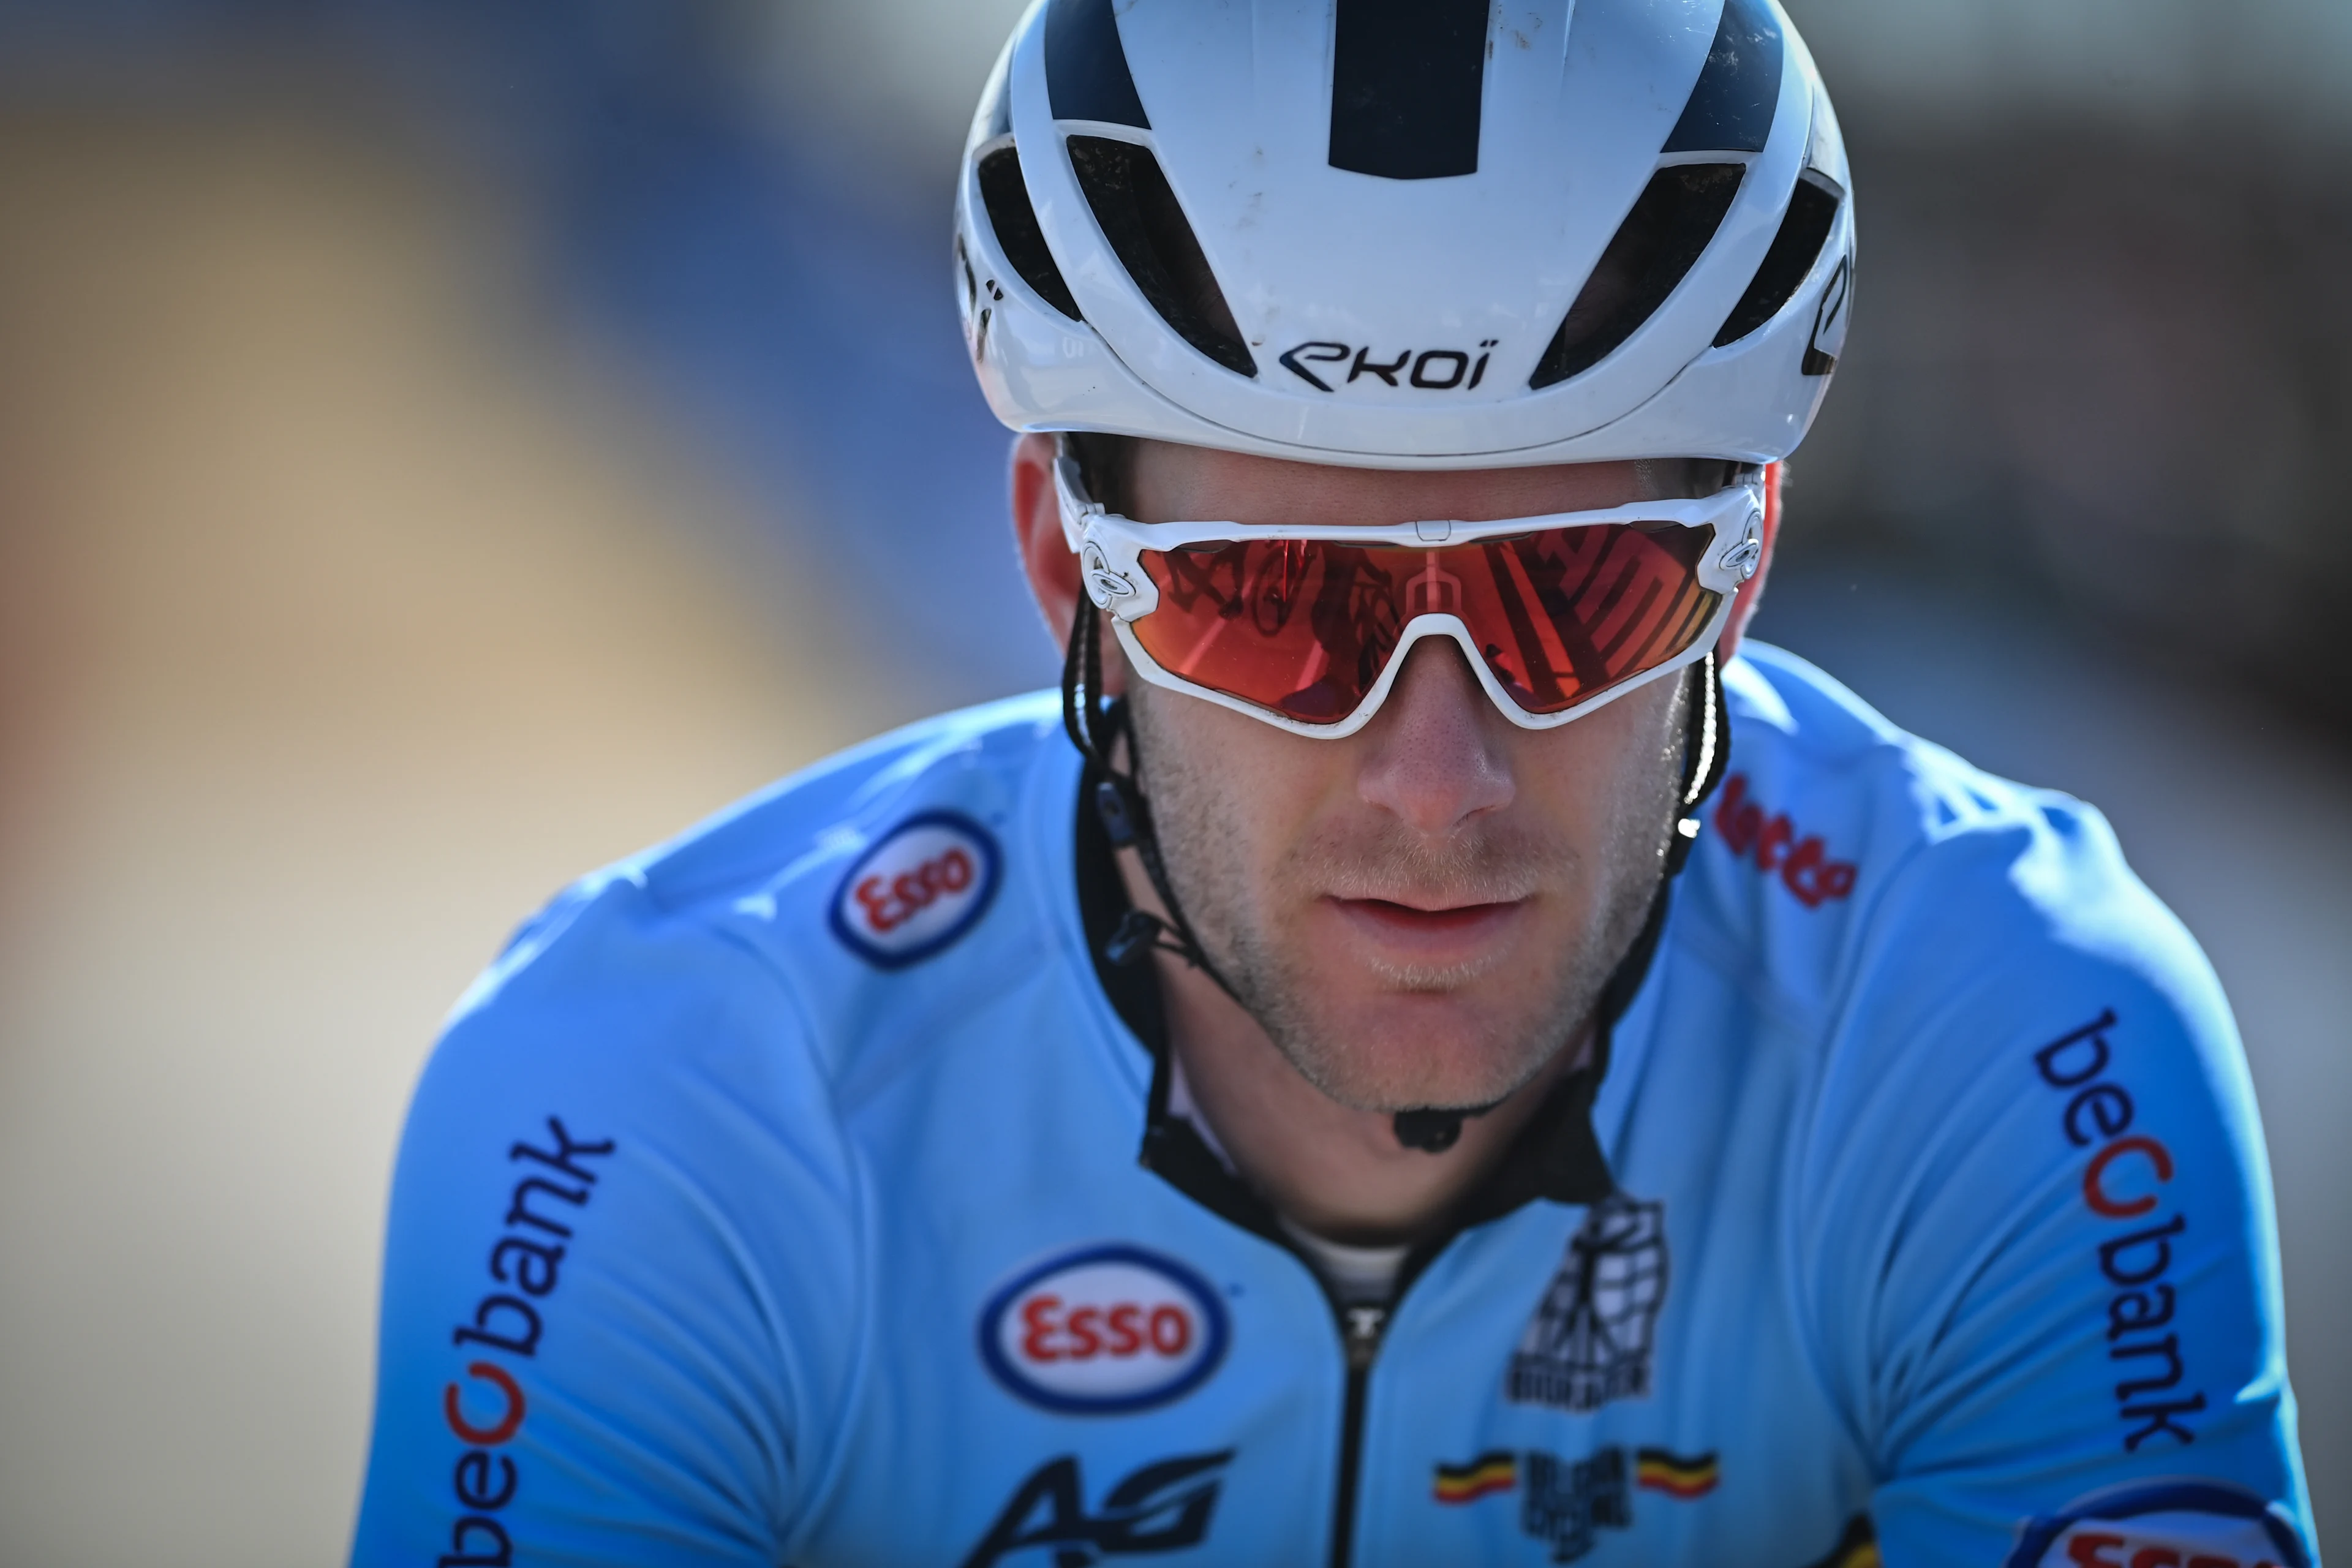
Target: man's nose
pixel 1435 757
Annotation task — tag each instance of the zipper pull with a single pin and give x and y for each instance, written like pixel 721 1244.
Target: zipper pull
pixel 1364 1326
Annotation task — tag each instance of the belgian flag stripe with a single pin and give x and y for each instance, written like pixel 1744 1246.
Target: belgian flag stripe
pixel 1857 1548
pixel 1660 1470
pixel 1496 1471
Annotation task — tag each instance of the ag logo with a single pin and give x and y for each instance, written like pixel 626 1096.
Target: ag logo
pixel 916 890
pixel 1589 1342
pixel 1105 1331
pixel 1163 1507
pixel 2174 1524
pixel 1828 341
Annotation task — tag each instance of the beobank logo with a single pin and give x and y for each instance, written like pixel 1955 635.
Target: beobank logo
pixel 485 1407
pixel 916 889
pixel 1104 1330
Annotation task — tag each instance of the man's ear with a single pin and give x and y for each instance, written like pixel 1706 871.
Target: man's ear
pixel 1046 557
pixel 1753 593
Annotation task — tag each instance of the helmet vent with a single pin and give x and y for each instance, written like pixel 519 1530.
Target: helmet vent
pixel 1006 197
pixel 1803 231
pixel 1408 77
pixel 1086 76
pixel 1656 245
pixel 1140 218
pixel 1730 110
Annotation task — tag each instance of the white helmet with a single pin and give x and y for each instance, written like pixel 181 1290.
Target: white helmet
pixel 1424 234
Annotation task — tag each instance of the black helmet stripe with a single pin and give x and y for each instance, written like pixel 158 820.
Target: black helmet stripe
pixel 1408 85
pixel 1813 210
pixel 1730 110
pixel 1006 195
pixel 1086 66
pixel 1154 241
pixel 1658 242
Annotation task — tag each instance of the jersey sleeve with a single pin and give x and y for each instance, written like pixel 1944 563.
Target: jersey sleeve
pixel 620 1290
pixel 2039 1227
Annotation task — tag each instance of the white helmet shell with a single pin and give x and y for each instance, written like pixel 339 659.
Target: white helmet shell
pixel 1409 233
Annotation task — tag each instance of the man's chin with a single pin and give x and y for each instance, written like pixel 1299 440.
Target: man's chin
pixel 1416 1071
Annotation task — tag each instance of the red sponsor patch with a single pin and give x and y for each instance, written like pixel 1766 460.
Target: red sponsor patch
pixel 2167 1524
pixel 1105 1329
pixel 1777 845
pixel 916 889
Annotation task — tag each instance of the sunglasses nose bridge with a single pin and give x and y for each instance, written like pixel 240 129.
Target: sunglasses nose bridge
pixel 1454 629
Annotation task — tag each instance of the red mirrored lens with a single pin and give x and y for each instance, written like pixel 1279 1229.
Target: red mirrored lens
pixel 1304 628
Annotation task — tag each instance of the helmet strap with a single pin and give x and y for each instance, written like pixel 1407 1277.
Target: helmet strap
pixel 1095 727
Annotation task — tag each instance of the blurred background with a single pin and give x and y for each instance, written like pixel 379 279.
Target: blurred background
pixel 446 445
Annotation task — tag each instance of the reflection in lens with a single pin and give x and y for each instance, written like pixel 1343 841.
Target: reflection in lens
pixel 1304 628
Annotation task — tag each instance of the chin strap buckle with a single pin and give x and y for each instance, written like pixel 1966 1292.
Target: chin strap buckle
pixel 1118 822
pixel 1431 1132
pixel 1138 934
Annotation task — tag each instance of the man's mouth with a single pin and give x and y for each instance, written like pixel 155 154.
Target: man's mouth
pixel 1446 934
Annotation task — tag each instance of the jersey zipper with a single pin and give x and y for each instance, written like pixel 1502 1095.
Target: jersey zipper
pixel 1361 1328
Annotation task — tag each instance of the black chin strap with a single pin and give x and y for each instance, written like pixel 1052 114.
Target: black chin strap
pixel 1094 727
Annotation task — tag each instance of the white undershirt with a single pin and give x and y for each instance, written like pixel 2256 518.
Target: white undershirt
pixel 1358 1275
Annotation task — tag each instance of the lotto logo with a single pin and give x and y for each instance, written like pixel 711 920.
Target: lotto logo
pixel 1775 844
pixel 1105 1330
pixel 916 889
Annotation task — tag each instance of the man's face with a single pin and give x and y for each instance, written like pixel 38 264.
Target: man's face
pixel 1420 914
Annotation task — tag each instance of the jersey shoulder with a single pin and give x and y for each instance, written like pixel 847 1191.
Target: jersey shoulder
pixel 892 874
pixel 2028 1201
pixel 647 1085
pixel 1915 938
pixel 1843 852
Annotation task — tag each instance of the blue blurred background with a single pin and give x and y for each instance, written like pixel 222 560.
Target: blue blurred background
pixel 444 445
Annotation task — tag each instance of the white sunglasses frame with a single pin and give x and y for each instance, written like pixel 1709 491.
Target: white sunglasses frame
pixel 1110 549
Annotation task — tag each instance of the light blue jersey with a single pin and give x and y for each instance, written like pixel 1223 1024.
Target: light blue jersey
pixel 800 1194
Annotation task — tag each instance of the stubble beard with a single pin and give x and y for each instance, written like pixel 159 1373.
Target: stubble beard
pixel 1210 871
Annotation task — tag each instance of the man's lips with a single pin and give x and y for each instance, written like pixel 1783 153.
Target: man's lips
pixel 1457 932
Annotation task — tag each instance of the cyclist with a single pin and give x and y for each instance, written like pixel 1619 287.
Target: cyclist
pixel 1463 1060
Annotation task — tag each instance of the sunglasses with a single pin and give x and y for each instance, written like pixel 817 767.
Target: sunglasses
pixel 1305 628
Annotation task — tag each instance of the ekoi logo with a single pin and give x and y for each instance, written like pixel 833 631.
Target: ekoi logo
pixel 1775 844
pixel 486 1409
pixel 1429 370
pixel 923 885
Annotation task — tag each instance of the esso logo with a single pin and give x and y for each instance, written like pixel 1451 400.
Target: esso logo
pixel 2176 1524
pixel 916 889
pixel 1105 1331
